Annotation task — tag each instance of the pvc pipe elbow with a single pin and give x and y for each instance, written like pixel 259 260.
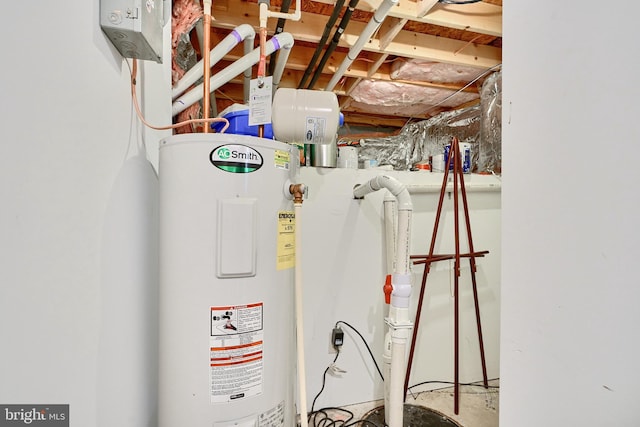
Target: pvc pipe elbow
pixel 264 14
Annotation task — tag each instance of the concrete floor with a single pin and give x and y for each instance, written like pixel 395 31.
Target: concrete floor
pixel 478 406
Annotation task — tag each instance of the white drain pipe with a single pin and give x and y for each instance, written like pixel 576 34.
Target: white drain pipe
pixel 282 40
pixel 398 319
pixel 357 47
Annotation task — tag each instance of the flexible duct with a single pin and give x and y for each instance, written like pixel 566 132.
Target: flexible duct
pixel 238 67
pixel 229 42
pixel 398 319
pixel 368 31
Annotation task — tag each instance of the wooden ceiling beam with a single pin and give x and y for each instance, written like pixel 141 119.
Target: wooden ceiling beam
pixel 405 43
pixel 481 17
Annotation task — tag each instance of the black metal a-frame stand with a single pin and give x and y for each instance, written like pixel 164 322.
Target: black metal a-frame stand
pixel 458 184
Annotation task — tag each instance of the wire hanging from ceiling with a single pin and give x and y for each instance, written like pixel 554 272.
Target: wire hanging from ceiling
pixel 458 1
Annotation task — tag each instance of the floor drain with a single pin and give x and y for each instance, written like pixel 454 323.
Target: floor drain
pixel 414 416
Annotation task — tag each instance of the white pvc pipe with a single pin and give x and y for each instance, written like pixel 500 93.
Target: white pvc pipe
pixel 302 381
pixel 278 41
pixel 248 47
pixel 266 13
pixel 278 71
pixel 390 227
pixel 394 417
pixel 229 42
pixel 368 31
pixel 398 319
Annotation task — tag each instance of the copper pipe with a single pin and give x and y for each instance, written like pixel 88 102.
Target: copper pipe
pixel 262 68
pixel 206 99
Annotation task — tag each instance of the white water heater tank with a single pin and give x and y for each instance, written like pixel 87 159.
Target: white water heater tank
pixel 226 314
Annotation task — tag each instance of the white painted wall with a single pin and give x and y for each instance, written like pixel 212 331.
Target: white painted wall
pixel 570 220
pixel 78 217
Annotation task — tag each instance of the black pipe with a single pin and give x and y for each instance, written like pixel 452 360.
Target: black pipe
pixel 323 41
pixel 279 28
pixel 334 42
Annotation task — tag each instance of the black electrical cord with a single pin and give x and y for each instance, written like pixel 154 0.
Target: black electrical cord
pixel 458 1
pixel 324 378
pixel 448 383
pixel 322 418
pixel 365 343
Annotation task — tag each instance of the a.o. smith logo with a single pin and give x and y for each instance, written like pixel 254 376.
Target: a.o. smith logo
pixel 236 158
pixel 34 415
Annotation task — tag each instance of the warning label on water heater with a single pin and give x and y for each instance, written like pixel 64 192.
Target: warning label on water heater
pixel 235 346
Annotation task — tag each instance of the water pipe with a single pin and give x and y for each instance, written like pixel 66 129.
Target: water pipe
pixel 241 32
pixel 398 318
pixel 334 42
pixel 248 47
pixel 284 8
pixel 283 56
pixel 206 65
pixel 225 75
pixel 390 223
pixel 368 31
pixel 265 13
pixel 298 191
pixel 337 8
pixel 389 210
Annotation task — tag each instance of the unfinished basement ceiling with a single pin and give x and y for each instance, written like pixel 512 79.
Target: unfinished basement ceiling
pixel 425 58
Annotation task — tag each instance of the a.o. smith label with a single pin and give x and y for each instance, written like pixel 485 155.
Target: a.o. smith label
pixel 236 158
pixel 34 415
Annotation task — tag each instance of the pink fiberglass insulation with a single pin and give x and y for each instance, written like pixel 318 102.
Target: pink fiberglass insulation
pixel 185 15
pixel 388 97
pixel 435 72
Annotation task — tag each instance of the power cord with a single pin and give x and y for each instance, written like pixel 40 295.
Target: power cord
pixel 323 417
pixel 324 378
pixel 365 343
pixel 448 383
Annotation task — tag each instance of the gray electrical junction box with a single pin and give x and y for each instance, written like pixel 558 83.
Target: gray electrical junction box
pixel 134 27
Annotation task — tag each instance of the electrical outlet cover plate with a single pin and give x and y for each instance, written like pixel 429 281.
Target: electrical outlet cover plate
pixel 134 27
